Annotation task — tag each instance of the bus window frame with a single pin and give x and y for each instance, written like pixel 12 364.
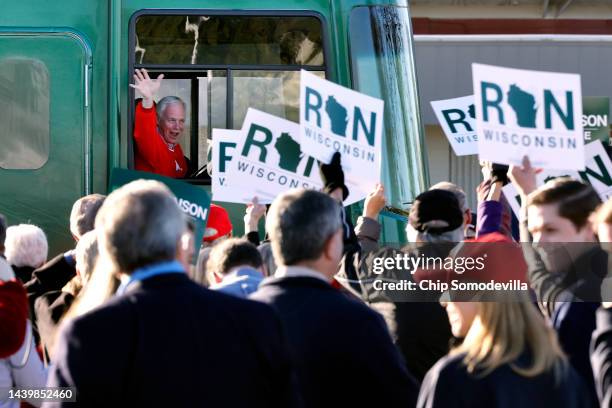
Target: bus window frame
pixel 192 71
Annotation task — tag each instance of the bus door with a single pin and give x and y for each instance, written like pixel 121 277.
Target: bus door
pixel 45 146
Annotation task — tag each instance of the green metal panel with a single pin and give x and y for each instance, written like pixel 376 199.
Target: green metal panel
pixel 51 200
pixel 335 15
pixel 104 26
pixel 45 195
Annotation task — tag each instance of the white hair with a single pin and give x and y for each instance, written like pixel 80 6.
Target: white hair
pixel 167 101
pixel 26 245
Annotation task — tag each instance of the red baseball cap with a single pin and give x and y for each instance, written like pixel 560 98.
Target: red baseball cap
pixel 218 223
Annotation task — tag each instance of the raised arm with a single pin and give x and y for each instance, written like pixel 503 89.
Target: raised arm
pixel 145 121
pixel 147 87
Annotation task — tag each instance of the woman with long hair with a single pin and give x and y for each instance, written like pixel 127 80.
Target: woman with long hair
pixel 509 357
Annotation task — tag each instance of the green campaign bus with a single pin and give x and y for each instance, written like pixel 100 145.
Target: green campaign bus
pixel 67 109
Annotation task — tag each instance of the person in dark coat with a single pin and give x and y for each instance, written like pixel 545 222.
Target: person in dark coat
pixel 164 340
pixel 417 322
pixel 566 265
pixel 509 357
pixel 57 272
pixel 343 353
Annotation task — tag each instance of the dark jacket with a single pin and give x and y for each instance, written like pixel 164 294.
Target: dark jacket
pixel 449 385
pixel 168 342
pixel 601 357
pixel 52 276
pixel 342 350
pixel 49 309
pixel 418 324
pixel 23 273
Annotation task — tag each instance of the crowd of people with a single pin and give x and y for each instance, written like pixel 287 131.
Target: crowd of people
pixel 294 318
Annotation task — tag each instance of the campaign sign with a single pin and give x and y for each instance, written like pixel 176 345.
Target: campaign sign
pixel 193 201
pixel 334 118
pixel 224 145
pixel 597 173
pixel 595 119
pixel 269 160
pixel 531 113
pixel 458 120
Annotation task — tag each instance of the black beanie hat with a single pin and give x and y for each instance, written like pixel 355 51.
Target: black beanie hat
pixel 436 211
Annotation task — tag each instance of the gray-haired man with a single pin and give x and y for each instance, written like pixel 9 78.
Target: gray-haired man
pixel 163 337
pixel 157 131
pixel 342 349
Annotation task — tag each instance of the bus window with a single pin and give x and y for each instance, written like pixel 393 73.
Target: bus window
pixel 275 92
pixel 220 65
pixel 24 113
pixel 229 40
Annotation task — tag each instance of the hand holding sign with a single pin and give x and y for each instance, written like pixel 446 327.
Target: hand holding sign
pixel 458 120
pixel 268 159
pixel 253 214
pixel 521 112
pixel 524 177
pixel 337 119
pixel 375 202
pixel 332 177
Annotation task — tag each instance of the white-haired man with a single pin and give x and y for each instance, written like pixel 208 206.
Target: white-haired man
pixel 26 249
pixel 157 129
pixel 164 340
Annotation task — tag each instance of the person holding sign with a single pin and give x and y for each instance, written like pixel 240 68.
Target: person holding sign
pixel 568 279
pixel 157 129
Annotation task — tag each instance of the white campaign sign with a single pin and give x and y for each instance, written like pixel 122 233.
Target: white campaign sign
pixel 224 143
pixel 532 113
pixel 334 118
pixel 458 120
pixel 598 173
pixel 269 160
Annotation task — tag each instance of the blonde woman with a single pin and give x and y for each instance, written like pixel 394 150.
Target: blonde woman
pixel 509 358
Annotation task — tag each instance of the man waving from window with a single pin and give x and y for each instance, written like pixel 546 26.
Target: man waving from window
pixel 157 129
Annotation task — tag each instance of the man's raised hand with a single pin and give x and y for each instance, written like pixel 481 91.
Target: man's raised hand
pixel 253 214
pixel 523 177
pixel 374 202
pixel 147 87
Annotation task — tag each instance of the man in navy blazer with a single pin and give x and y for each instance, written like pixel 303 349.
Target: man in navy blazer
pixel 164 341
pixel 342 350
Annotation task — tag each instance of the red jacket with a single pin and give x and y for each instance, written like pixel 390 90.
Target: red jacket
pixel 152 152
pixel 13 315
